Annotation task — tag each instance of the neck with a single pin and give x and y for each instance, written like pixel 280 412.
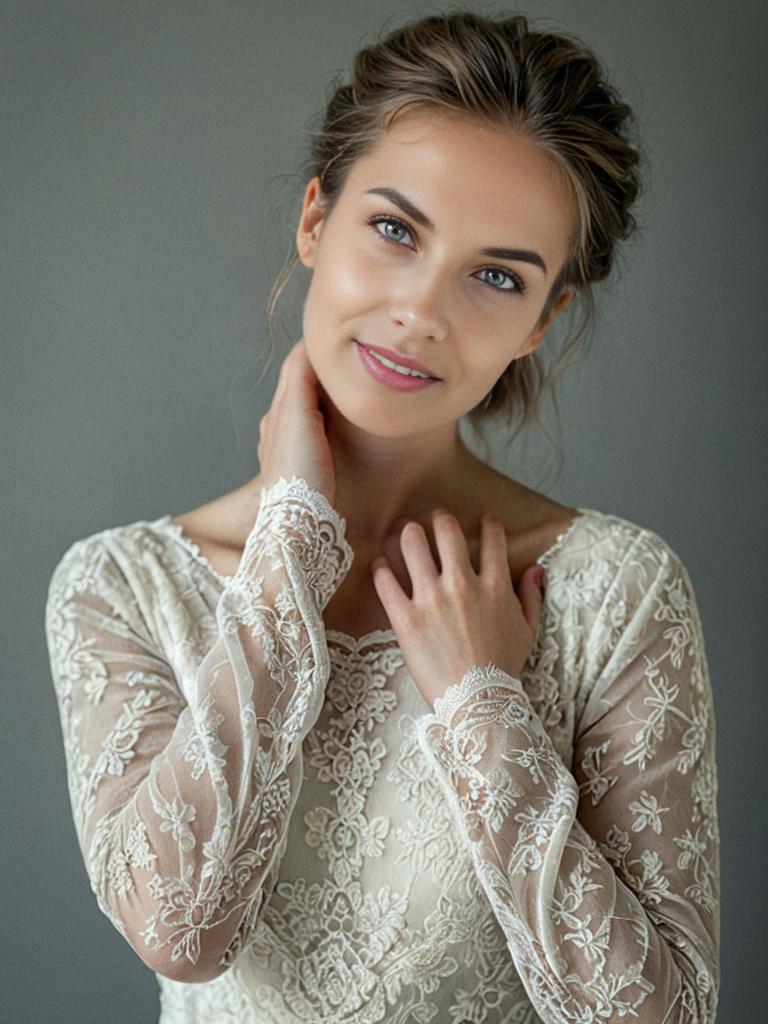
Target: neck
pixel 382 482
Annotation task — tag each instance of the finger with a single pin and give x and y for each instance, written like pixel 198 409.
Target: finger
pixel 494 554
pixel 451 544
pixel 530 595
pixel 418 557
pixel 388 588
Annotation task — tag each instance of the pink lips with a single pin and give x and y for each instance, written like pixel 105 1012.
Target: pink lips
pixel 401 360
pixel 392 379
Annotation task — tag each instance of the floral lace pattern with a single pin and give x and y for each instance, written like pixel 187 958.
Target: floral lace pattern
pixel 629 878
pixel 180 805
pixel 270 809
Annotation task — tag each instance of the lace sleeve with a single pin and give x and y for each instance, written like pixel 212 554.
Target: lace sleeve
pixel 605 881
pixel 182 790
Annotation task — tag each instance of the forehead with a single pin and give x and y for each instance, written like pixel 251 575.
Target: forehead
pixel 463 173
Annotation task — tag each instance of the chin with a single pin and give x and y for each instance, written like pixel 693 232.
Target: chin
pixel 373 415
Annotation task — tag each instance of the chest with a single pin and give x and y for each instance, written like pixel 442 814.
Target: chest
pixel 355 608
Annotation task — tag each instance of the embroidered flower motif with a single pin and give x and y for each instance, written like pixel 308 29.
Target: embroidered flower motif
pixel 495 798
pixel 648 812
pixel 618 840
pixel 137 849
pixel 176 815
pixel 382 863
pixel 653 885
pixel 597 783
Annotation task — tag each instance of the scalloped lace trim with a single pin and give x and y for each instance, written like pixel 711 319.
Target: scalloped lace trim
pixel 476 678
pixel 296 487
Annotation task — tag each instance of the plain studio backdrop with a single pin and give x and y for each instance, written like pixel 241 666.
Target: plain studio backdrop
pixel 150 154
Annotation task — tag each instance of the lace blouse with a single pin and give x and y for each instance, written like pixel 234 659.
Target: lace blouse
pixel 285 831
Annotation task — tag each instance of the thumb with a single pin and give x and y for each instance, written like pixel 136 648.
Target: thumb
pixel 530 587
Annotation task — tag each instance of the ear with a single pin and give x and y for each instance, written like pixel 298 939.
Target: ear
pixel 310 223
pixel 536 336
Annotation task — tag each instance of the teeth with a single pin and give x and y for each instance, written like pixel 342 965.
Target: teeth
pixel 395 366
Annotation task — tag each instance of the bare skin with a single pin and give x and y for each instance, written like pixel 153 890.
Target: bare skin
pixel 532 523
pixel 430 293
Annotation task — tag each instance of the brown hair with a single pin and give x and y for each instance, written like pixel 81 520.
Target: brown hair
pixel 545 85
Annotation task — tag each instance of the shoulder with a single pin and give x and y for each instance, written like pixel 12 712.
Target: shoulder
pixel 614 543
pixel 616 589
pixel 588 545
pixel 610 570
pixel 128 582
pixel 615 575
pixel 104 562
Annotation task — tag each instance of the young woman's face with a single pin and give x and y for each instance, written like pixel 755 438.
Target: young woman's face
pixel 383 277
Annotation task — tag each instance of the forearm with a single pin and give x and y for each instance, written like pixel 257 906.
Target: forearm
pixel 591 931
pixel 182 790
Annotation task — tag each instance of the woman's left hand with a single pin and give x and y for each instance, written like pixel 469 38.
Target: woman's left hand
pixel 457 617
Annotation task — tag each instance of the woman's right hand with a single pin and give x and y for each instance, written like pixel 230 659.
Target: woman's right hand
pixel 292 438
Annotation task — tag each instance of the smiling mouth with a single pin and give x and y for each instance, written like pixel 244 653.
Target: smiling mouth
pixel 399 364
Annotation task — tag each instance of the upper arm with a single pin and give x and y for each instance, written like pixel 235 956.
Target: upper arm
pixel 118 704
pixel 182 791
pixel 645 754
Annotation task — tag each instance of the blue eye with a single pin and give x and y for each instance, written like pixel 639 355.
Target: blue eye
pixel 389 221
pixel 517 286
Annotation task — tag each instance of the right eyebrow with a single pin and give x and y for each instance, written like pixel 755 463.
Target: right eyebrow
pixel 405 205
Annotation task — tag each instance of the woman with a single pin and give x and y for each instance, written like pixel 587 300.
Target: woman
pixel 335 752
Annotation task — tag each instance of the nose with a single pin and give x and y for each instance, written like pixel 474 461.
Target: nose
pixel 420 307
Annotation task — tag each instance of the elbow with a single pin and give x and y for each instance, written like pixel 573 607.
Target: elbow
pixel 187 953
pixel 208 966
pixel 172 960
pixel 183 970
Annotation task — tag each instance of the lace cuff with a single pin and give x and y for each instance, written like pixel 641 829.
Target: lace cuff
pixel 473 681
pixel 293 514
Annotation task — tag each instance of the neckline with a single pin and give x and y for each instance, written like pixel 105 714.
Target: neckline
pixel 375 635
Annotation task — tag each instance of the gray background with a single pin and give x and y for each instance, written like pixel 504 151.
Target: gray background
pixel 148 198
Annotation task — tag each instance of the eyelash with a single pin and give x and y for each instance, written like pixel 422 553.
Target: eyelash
pixel 387 219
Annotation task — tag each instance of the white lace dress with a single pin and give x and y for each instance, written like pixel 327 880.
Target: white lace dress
pixel 284 831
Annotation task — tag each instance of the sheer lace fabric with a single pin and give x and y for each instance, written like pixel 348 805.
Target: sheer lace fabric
pixel 270 809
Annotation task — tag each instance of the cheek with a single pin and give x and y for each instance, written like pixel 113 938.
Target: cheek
pixel 348 281
pixel 482 375
pixel 485 379
pixel 343 297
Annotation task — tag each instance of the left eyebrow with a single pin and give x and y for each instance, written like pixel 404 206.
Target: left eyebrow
pixel 523 255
